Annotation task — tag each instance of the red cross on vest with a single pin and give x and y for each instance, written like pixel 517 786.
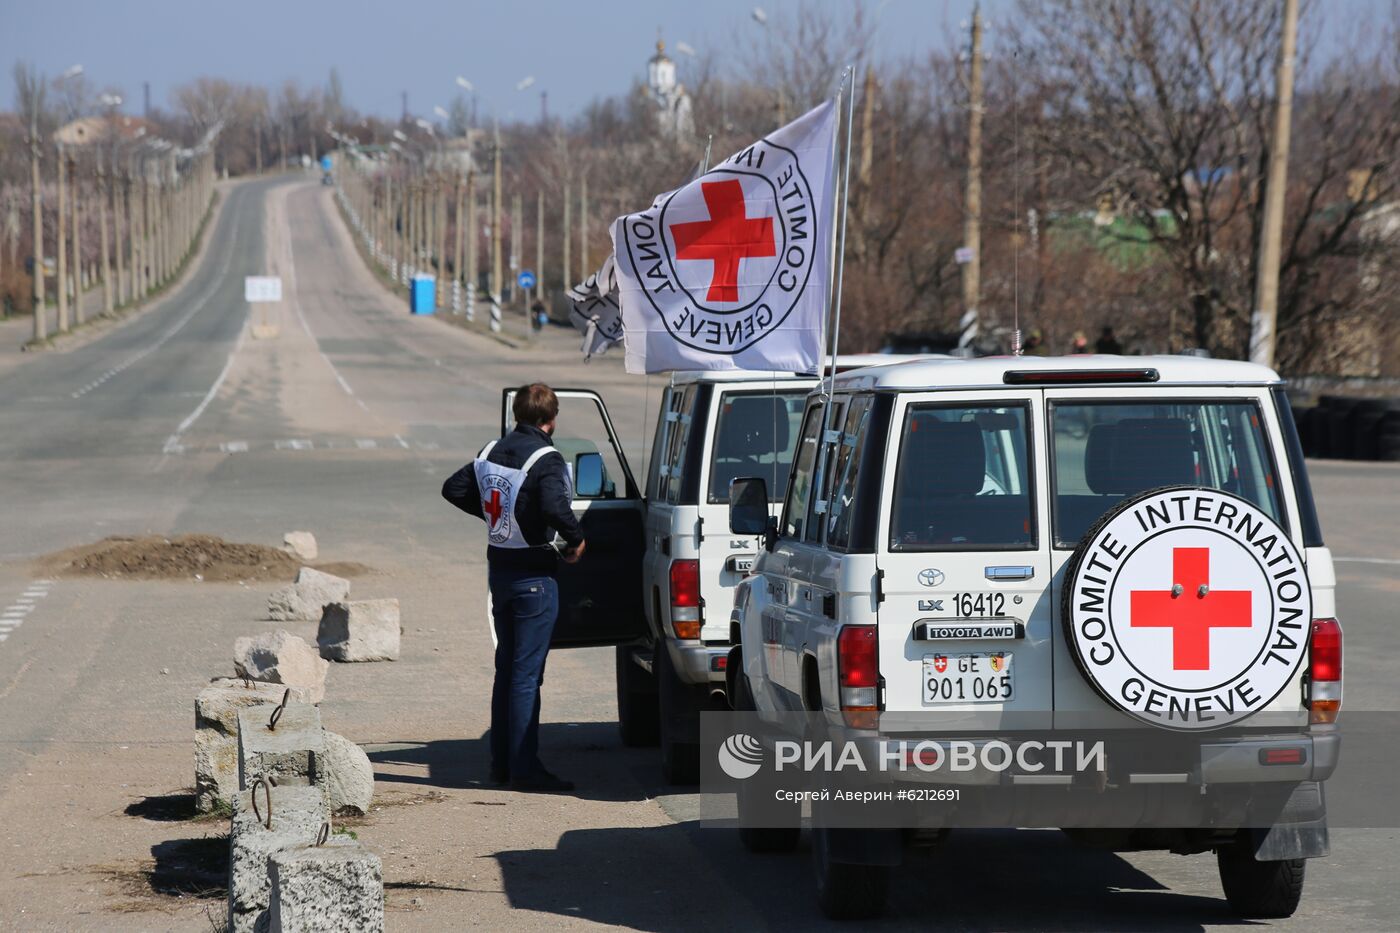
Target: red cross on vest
pixel 727 237
pixel 493 507
pixel 1193 610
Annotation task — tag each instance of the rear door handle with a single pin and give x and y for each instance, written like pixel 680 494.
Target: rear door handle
pixel 1005 573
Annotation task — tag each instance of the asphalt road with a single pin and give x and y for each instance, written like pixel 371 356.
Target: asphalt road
pixel 344 423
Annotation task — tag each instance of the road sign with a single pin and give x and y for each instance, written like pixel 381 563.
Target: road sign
pixel 526 279
pixel 262 288
pixel 963 255
pixel 325 163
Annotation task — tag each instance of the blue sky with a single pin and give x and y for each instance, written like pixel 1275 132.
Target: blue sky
pixel 575 50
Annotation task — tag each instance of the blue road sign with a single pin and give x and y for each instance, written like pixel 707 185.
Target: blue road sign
pixel 526 279
pixel 325 163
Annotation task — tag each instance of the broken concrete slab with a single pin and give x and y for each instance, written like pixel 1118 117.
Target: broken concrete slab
pixel 337 886
pixel 300 544
pixel 216 734
pixel 282 658
pixel 360 630
pixel 294 818
pixel 288 749
pixel 304 600
pixel 346 775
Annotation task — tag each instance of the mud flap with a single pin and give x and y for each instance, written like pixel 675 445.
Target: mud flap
pixel 1300 829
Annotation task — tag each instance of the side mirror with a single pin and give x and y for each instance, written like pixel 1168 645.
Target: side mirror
pixel 748 506
pixel 589 476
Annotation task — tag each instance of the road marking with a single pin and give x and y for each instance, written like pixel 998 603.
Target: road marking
pixel 172 443
pixel 14 615
pixel 366 443
pixel 1365 560
pixel 185 319
pixel 234 447
pixel 294 444
pixel 401 442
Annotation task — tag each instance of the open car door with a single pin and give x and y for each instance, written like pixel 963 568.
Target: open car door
pixel 600 597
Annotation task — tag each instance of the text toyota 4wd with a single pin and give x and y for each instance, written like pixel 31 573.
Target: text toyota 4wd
pixel 988 554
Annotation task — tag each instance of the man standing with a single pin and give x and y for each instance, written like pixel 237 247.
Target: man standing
pixel 521 488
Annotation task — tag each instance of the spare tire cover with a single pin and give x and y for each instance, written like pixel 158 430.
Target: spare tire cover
pixel 1187 608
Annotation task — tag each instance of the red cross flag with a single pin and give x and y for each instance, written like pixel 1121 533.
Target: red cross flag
pixel 732 271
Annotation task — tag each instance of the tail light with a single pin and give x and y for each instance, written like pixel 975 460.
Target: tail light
pixel 858 670
pixel 1325 671
pixel 685 598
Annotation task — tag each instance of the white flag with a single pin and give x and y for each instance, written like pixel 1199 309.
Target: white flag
pixel 732 270
pixel 594 311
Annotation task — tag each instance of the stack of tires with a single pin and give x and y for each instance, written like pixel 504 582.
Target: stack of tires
pixel 1344 428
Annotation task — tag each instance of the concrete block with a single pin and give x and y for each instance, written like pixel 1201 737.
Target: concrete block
pixel 290 753
pixel 362 630
pixel 296 817
pixel 216 734
pixel 300 544
pixel 282 658
pixel 334 887
pixel 347 776
pixel 304 600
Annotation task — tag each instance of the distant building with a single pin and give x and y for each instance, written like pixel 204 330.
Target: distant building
pixel 668 96
pixel 85 130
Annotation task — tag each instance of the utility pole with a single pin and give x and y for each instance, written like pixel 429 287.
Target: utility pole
pixel 568 231
pixel 517 240
pixel 108 305
pixel 472 277
pixel 75 176
pixel 440 221
pixel 539 245
pixel 972 204
pixel 61 242
pixel 41 321
pixel 583 228
pixel 496 219
pixel 459 243
pixel 1263 330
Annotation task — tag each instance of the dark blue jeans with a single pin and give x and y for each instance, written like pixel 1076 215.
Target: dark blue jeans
pixel 524 607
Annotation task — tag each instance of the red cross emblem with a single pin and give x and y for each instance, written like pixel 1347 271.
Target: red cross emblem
pixel 727 237
pixel 493 507
pixel 1192 611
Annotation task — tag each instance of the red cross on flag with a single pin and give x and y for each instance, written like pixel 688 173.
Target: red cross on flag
pixel 732 271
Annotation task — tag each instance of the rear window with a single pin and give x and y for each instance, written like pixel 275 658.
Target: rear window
pixel 1108 452
pixel 963 480
pixel 755 435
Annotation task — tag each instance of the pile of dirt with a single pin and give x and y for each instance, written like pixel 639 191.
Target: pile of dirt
pixel 185 557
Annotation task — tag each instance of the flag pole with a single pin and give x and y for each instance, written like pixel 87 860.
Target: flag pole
pixel 844 181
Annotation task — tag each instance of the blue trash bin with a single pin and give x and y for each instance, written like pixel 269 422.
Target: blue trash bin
pixel 423 294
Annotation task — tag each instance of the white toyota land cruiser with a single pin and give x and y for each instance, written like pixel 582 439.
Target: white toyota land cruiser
pixel 1006 549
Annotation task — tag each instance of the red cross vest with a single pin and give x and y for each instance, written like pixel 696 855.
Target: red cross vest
pixel 500 487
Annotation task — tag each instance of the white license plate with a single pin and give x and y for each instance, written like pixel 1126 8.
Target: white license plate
pixel 968 678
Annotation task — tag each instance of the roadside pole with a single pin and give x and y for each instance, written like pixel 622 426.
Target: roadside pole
pixel 76 177
pixel 972 203
pixel 61 242
pixel 440 217
pixel 517 242
pixel 41 324
pixel 495 289
pixel 539 245
pixel 458 242
pixel 583 228
pixel 105 241
pixel 1263 330
pixel 565 268
pixel 471 245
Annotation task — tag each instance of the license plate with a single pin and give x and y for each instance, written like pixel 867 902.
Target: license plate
pixel 968 678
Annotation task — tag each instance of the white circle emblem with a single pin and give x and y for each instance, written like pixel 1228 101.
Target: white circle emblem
pixel 1188 608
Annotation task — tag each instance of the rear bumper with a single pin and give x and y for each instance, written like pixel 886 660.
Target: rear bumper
pixel 697 662
pixel 1223 761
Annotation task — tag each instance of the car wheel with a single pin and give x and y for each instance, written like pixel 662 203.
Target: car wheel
pixel 679 711
pixel 637 715
pixel 1259 889
pixel 846 891
pixel 756 807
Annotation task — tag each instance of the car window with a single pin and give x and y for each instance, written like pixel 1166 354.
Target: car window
pixel 1105 452
pixel 677 439
pixel 755 435
pixel 658 446
pixel 826 465
pixel 800 486
pixel 846 473
pixel 580 429
pixel 963 480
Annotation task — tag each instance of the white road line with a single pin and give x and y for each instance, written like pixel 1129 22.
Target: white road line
pixel 294 444
pixel 172 443
pixel 1365 560
pixel 234 447
pixel 366 443
pixel 401 442
pixel 172 331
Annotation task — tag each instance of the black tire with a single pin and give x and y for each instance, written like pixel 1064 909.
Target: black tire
pixel 678 707
pixel 1262 890
pixel 845 891
pixel 766 839
pixel 638 719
